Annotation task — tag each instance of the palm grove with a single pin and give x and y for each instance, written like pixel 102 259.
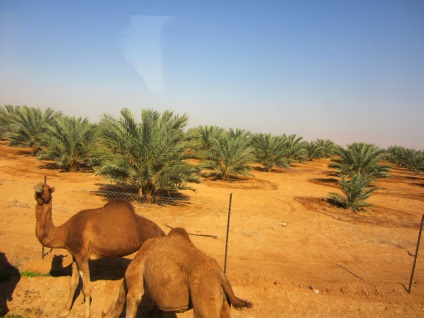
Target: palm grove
pixel 153 153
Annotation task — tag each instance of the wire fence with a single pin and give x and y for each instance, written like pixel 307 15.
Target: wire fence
pixel 163 199
pixel 341 276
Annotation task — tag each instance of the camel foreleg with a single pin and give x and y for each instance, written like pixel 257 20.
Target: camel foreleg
pixel 133 300
pixel 135 285
pixel 84 271
pixel 73 285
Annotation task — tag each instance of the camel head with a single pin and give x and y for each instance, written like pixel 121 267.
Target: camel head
pixel 43 193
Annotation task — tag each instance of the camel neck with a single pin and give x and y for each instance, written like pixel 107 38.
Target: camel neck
pixel 48 234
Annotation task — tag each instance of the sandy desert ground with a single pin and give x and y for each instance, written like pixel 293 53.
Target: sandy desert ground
pixel 290 252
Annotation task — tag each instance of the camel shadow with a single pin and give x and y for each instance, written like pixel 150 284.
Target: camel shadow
pixel 108 268
pixel 101 269
pixel 57 269
pixel 9 278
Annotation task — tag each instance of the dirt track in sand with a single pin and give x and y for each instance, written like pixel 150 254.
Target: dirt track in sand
pixel 290 252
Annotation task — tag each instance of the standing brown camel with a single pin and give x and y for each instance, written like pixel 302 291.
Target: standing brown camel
pixel 114 230
pixel 176 276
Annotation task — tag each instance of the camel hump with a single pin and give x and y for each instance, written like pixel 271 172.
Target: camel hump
pixel 178 232
pixel 122 203
pixel 234 300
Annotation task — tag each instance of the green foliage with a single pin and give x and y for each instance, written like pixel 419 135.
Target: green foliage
pixel 357 166
pixel 313 150
pixel 6 116
pixel 355 193
pixel 294 147
pixel 230 155
pixel 410 159
pixel 32 274
pixel 148 155
pixel 321 148
pixel 360 158
pixel 202 138
pixel 69 142
pixel 28 126
pixel 270 151
pixel 328 147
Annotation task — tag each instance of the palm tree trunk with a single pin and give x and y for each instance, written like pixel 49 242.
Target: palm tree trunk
pixel 147 192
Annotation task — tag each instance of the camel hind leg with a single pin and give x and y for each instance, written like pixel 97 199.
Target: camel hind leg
pixel 207 301
pixel 211 307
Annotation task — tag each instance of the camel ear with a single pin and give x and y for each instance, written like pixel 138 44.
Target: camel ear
pixel 52 189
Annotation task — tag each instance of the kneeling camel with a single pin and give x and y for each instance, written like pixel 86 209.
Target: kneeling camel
pixel 114 230
pixel 176 276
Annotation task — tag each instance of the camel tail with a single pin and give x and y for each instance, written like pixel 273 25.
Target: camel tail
pixel 234 300
pixel 117 306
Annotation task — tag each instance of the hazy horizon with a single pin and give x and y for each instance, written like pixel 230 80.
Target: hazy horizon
pixel 348 71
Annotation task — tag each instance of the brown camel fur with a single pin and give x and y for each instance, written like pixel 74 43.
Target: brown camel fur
pixel 176 276
pixel 114 230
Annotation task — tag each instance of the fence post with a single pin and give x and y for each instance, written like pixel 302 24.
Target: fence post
pixel 416 254
pixel 42 246
pixel 228 230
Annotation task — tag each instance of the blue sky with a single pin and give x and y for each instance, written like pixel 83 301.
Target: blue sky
pixel 349 71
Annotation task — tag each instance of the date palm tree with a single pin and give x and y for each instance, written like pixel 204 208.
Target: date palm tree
pixel 328 147
pixel 295 147
pixel 29 125
pixel 313 150
pixel 148 155
pixel 6 115
pixel 230 155
pixel 357 166
pixel 396 154
pixel 410 159
pixel 70 142
pixel 355 192
pixel 360 158
pixel 414 160
pixel 202 139
pixel 270 151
